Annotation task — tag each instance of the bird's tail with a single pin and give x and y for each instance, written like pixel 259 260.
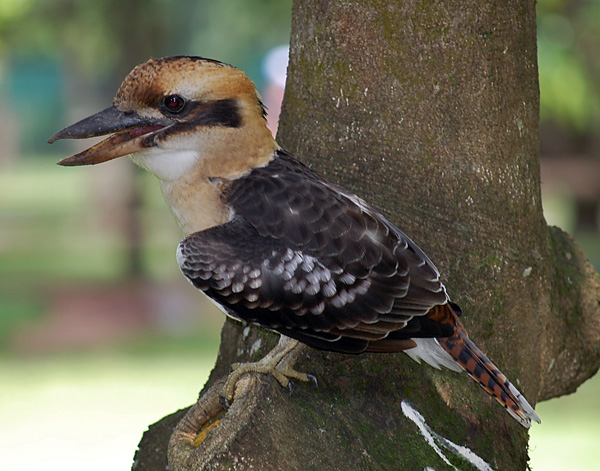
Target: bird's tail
pixel 481 369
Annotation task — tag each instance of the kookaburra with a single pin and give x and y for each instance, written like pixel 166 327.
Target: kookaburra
pixel 270 241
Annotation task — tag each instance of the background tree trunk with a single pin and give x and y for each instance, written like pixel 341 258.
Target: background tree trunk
pixel 430 112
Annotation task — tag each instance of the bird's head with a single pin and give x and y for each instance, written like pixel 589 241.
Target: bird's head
pixel 176 114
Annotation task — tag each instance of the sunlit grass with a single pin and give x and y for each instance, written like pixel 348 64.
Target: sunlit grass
pixel 84 409
pixel 569 435
pixel 89 412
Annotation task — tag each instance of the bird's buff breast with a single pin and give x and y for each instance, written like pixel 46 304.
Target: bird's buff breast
pixel 197 205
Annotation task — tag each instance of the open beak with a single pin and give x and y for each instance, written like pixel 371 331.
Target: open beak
pixel 131 133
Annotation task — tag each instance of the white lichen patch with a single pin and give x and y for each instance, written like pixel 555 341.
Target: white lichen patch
pixel 433 439
pixel 255 346
pixel 245 332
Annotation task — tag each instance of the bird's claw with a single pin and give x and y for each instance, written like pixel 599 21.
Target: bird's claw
pixel 225 402
pixel 313 378
pixel 278 362
pixel 308 376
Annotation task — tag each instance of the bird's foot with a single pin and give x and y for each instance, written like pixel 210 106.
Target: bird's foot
pixel 279 362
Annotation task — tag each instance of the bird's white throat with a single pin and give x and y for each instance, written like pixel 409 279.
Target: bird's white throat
pixel 166 164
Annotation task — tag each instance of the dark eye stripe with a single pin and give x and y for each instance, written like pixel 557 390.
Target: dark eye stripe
pixel 202 113
pixel 212 113
pixel 217 113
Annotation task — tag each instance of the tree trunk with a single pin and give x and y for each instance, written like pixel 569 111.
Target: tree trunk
pixel 430 112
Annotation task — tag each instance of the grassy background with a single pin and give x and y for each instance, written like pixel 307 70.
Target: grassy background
pixel 59 407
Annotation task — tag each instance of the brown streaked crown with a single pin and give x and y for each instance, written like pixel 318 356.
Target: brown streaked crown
pixel 197 78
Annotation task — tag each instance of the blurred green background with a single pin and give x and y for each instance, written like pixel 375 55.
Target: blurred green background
pixel 100 335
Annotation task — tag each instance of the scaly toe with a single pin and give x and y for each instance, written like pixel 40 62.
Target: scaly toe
pixel 290 373
pixel 279 362
pixel 281 378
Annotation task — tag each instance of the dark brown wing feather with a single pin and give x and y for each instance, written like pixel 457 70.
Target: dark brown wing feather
pixel 312 261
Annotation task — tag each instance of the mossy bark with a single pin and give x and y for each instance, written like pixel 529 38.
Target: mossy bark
pixel 429 110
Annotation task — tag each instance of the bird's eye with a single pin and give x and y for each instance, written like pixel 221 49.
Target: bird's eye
pixel 174 103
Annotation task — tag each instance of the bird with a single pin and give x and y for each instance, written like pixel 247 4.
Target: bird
pixel 271 242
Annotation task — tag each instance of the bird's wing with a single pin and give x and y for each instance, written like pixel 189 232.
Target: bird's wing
pixel 312 261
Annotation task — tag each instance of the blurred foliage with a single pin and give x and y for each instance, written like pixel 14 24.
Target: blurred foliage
pixel 569 63
pixel 52 49
pixel 100 36
pixel 99 42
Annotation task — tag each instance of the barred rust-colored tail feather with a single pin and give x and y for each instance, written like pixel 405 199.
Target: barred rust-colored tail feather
pixel 444 313
pixel 481 369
